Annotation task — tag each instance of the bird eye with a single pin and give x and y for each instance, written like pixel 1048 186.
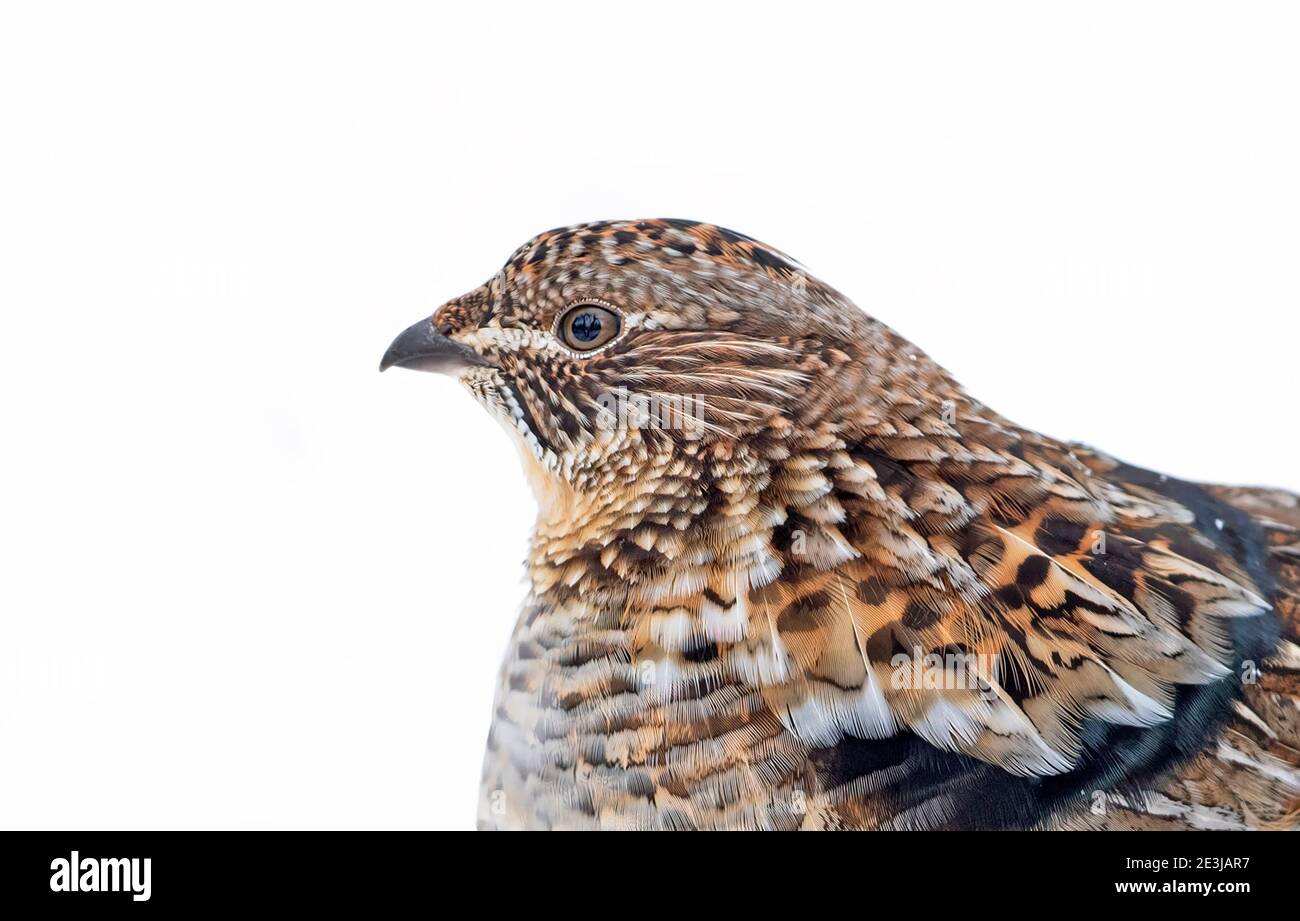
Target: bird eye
pixel 588 326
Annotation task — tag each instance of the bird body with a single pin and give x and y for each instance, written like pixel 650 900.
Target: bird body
pixel 788 574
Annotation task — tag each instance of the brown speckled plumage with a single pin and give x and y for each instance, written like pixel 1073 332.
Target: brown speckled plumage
pixel 733 599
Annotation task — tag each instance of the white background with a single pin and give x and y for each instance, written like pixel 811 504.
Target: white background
pixel 245 581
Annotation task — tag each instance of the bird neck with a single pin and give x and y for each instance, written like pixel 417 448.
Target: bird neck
pixel 655 521
pixel 645 531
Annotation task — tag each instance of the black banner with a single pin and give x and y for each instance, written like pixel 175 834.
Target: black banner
pixel 135 871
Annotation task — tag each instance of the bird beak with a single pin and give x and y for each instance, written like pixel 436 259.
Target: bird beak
pixel 423 348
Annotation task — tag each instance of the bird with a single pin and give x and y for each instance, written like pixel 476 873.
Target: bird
pixel 786 573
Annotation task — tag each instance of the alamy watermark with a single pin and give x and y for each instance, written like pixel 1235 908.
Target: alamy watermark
pixel 102 874
pixel 948 671
pixel 620 408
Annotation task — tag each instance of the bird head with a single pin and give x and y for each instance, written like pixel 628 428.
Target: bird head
pixel 626 350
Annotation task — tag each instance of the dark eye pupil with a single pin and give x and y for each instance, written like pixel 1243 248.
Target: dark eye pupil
pixel 585 327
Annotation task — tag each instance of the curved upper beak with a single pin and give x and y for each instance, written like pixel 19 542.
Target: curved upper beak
pixel 422 348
